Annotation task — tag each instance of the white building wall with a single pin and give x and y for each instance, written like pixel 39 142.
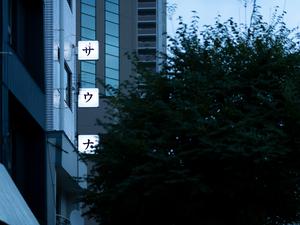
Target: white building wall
pixel 70 42
pixel 61 157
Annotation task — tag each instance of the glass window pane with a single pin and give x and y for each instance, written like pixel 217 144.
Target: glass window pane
pixel 88 80
pixel 110 73
pixel 90 2
pixel 87 33
pixel 88 21
pixel 67 85
pixel 87 84
pixel 112 28
pixel 84 39
pixel 112 50
pixel 112 17
pixel 112 7
pixel 112 40
pixel 88 9
pixel 114 1
pixel 112 61
pixel 112 82
pixel 88 67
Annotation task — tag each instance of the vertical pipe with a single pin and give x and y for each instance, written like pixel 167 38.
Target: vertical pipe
pixel 61 64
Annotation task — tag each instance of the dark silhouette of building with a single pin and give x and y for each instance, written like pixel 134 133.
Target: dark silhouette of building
pixel 38 113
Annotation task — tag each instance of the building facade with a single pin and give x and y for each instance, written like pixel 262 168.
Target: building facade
pixel 122 28
pixel 23 102
pixel 38 154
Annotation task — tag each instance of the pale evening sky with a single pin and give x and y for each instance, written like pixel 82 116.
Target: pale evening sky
pixel 209 9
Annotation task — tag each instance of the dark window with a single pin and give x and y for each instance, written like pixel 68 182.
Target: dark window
pixel 2 223
pixel 68 85
pixel 26 35
pixel 70 4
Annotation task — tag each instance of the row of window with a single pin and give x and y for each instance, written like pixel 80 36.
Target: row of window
pixel 112 43
pixel 88 32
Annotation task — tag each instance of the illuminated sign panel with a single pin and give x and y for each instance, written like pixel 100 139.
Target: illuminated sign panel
pixel 88 97
pixel 87 143
pixel 88 50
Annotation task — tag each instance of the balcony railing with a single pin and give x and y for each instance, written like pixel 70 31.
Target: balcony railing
pixel 147 31
pixel 146 44
pixel 147 4
pixel 146 18
pixel 61 220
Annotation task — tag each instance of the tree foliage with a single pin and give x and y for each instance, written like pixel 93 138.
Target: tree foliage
pixel 212 139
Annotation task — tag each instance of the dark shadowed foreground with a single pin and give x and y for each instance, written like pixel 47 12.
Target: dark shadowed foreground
pixel 213 139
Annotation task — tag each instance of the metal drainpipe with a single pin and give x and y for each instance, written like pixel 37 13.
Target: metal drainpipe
pixel 61 65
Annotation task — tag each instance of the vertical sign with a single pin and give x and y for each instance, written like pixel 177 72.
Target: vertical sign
pixel 88 50
pixel 87 143
pixel 88 97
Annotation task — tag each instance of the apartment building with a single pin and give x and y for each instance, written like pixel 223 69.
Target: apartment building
pixel 39 162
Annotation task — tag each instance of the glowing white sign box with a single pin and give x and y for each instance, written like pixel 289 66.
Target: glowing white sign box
pixel 88 97
pixel 87 143
pixel 88 50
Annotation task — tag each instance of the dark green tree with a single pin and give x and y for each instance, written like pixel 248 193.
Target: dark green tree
pixel 213 139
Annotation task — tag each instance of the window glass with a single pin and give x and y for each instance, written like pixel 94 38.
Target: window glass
pixel 88 79
pixel 112 61
pixel 114 83
pixel 112 28
pixel 70 4
pixel 110 73
pixel 67 85
pixel 114 1
pixel 87 33
pixel 111 7
pixel 112 40
pixel 90 10
pixel 88 21
pixel 112 44
pixel 112 17
pixel 88 67
pixel 111 50
pixel 90 2
pixel 85 39
pixel 86 84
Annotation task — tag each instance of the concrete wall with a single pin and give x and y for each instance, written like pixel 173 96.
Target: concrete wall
pixel 70 57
